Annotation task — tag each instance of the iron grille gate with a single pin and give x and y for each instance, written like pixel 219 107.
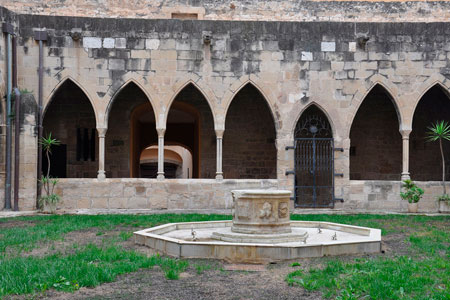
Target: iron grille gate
pixel 314 162
pixel 314 172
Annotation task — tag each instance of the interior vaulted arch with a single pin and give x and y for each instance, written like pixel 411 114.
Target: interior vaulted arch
pixel 425 157
pixel 375 140
pixel 131 127
pixel 70 118
pixel 249 139
pixel 190 123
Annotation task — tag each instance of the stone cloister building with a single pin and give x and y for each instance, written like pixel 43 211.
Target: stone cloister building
pixel 172 106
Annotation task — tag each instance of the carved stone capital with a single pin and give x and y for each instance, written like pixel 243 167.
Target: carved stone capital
pixel 102 132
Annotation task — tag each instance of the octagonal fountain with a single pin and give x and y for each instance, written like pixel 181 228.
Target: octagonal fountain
pixel 260 232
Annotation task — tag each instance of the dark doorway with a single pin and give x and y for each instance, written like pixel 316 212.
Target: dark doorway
pixel 314 160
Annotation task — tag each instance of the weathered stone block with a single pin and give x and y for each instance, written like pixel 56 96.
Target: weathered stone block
pixel 152 44
pixel 116 64
pixel 328 46
pixel 92 42
pixel 108 43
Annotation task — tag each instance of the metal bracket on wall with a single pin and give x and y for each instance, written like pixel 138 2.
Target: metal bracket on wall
pixel 289 147
pixel 40 35
pixel 7 28
pixel 339 149
pixel 290 172
pixel 339 199
pixel 339 174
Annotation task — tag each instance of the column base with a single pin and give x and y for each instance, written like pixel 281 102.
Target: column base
pixel 405 176
pixel 219 176
pixel 160 176
pixel 101 175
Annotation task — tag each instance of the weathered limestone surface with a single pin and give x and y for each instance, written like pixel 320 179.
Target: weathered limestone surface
pixel 133 193
pixel 274 10
pixel 292 64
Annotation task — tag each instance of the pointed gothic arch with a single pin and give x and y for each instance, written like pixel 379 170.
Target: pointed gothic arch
pixel 425 157
pixel 131 123
pixel 190 122
pixel 70 117
pixel 249 149
pixel 375 140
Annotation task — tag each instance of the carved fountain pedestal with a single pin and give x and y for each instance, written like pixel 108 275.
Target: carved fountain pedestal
pixel 260 216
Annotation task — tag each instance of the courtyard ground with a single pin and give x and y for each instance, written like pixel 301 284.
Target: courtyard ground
pixel 94 257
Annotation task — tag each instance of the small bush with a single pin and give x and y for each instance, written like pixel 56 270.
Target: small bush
pixel 412 193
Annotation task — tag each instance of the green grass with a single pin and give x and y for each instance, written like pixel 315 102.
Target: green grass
pixel 202 267
pixel 87 267
pixel 79 265
pixel 423 274
pixel 50 228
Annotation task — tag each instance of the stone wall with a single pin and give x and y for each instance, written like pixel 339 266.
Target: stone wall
pixel 333 65
pixel 274 10
pixel 133 193
pixel 373 195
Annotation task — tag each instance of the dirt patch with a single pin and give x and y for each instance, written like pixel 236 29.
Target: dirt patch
pixel 16 224
pixel 211 284
pixel 80 238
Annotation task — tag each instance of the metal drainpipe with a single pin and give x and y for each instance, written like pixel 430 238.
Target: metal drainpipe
pixel 16 149
pixel 8 30
pixel 40 36
pixel 16 126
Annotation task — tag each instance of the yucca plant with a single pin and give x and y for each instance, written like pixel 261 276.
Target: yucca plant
pixel 440 131
pixel 48 183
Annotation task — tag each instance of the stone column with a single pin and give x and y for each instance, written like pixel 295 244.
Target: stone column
pixel 405 155
pixel 160 153
pixel 101 153
pixel 219 138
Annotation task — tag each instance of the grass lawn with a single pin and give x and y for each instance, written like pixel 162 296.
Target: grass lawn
pixel 67 252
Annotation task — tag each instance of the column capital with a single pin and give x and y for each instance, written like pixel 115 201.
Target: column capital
pixel 101 131
pixel 219 133
pixel 405 133
pixel 161 131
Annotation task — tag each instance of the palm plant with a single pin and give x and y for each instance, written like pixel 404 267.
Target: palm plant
pixel 51 198
pixel 438 132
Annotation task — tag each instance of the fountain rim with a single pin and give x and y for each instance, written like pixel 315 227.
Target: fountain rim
pixel 373 234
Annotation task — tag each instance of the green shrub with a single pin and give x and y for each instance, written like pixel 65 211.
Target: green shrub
pixel 412 192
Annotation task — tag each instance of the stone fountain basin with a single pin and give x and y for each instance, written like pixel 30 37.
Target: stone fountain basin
pixel 175 240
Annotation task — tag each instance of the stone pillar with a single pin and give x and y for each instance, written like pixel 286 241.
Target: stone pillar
pixel 101 153
pixel 219 138
pixel 160 153
pixel 405 155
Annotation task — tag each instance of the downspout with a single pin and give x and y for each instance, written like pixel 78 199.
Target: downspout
pixel 16 125
pixel 8 30
pixel 40 36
